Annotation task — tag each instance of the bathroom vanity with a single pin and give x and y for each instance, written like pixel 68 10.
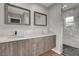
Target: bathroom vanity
pixel 27 46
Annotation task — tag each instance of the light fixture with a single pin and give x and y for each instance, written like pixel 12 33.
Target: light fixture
pixel 64 6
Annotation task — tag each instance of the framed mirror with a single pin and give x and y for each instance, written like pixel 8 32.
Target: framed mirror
pixel 40 19
pixel 16 15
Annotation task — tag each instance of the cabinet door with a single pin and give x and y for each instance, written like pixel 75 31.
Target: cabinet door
pixel 38 46
pixel 50 42
pixel 23 48
pixel 33 47
pixel 45 44
pixel 41 45
pixel 3 49
pixel 41 50
pixel 54 41
pixel 20 48
pixel 26 48
pixel 8 49
pixel 12 46
pixel 29 47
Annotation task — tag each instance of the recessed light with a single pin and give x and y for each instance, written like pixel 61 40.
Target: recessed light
pixel 78 40
pixel 64 6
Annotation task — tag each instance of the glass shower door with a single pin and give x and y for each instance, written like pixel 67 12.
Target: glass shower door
pixel 71 31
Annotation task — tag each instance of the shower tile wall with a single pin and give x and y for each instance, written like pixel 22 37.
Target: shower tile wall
pixel 71 28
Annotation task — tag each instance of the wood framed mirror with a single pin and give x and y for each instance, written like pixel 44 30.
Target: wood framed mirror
pixel 16 15
pixel 40 19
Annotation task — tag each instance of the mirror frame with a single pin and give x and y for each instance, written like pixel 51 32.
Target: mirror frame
pixel 6 12
pixel 35 19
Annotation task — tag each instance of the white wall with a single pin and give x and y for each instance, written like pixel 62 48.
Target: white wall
pixel 55 24
pixel 6 29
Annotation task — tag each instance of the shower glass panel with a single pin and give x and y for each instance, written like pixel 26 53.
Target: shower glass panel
pixel 71 29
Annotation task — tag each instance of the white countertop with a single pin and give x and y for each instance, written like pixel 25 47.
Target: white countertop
pixel 12 38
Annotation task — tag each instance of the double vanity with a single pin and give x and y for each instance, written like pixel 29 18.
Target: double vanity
pixel 34 41
pixel 31 45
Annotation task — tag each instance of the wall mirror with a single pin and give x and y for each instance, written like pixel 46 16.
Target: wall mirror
pixel 40 19
pixel 16 15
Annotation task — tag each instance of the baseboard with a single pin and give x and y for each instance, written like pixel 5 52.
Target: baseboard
pixel 57 51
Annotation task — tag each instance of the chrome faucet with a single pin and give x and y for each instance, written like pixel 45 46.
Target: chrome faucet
pixel 15 33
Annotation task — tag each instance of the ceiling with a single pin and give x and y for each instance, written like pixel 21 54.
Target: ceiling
pixel 46 4
pixel 69 5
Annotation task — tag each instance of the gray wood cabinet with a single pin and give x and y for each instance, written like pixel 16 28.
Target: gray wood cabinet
pixel 28 47
pixel 8 49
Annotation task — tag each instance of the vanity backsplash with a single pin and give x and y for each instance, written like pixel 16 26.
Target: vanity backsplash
pixel 9 31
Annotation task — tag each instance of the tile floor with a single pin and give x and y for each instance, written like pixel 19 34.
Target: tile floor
pixel 70 51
